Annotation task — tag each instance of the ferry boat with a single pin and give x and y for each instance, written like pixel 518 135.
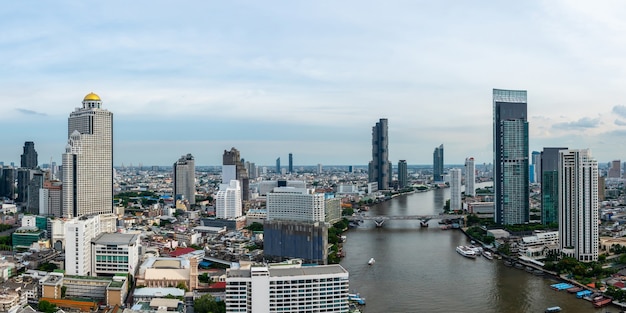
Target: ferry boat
pixel 602 302
pixel 466 252
pixel 488 255
pixel 371 261
pixel 356 297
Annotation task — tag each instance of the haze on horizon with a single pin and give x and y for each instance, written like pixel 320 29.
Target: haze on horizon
pixel 311 78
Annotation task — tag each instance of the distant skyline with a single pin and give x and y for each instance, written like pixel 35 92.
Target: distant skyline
pixel 310 78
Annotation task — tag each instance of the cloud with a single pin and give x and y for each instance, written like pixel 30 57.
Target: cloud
pixel 620 123
pixel 619 110
pixel 582 123
pixel 31 112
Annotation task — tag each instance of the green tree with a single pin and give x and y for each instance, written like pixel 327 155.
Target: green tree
pixel 46 307
pixel 182 286
pixel 207 304
pixel 255 227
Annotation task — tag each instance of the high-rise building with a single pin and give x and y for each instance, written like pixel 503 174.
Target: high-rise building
pixel 615 169
pixel 380 167
pixel 228 203
pixel 287 287
pixel 403 174
pixel 234 168
pixel 290 163
pixel 535 174
pixel 578 205
pixel 7 182
pixel 295 204
pixel 283 240
pixel 185 178
pixel 550 185
pixel 88 160
pixel 455 189
pixel 50 199
pixel 320 168
pixel 78 235
pixel 510 157
pixel 438 164
pixel 29 157
pixel 470 177
pixel 278 165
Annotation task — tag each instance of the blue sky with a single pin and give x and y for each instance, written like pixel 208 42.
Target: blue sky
pixel 312 78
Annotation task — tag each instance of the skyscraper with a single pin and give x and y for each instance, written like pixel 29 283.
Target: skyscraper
pixel 290 163
pixel 615 169
pixel 438 164
pixel 550 185
pixel 228 200
pixel 278 165
pixel 185 179
pixel 578 205
pixel 510 157
pixel 455 189
pixel 88 160
pixel 536 167
pixel 380 167
pixel 403 174
pixel 233 168
pixel 470 177
pixel 7 182
pixel 29 157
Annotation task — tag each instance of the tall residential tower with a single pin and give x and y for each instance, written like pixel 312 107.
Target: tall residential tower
pixel 185 178
pixel 438 164
pixel 550 185
pixel 578 205
pixel 510 157
pixel 470 177
pixel 88 160
pixel 379 167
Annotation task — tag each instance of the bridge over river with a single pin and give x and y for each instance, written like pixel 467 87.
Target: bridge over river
pixel 380 219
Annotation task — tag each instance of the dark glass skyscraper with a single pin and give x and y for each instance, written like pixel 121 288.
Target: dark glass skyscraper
pixel 379 167
pixel 510 156
pixel 549 185
pixel 438 164
pixel 290 162
pixel 29 157
pixel 278 165
pixel 403 175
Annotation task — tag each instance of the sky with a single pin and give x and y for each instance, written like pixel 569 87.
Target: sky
pixel 312 77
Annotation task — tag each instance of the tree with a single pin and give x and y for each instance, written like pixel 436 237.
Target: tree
pixel 255 227
pixel 207 304
pixel 46 307
pixel 182 286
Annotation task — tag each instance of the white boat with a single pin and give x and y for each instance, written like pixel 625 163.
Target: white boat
pixel 371 261
pixel 466 252
pixel 487 254
pixel 476 249
pixel 356 297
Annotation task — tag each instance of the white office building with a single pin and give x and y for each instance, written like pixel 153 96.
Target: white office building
pixel 539 245
pixel 455 189
pixel 185 178
pixel 78 235
pixel 88 160
pixel 287 288
pixel 470 177
pixel 578 204
pixel 295 204
pixel 114 253
pixel 228 204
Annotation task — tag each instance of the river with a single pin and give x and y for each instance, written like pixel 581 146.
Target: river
pixel 418 270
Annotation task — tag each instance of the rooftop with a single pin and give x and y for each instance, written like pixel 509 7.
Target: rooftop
pixel 115 239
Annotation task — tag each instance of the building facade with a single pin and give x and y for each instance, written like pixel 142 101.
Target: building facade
pixel 510 153
pixel 380 167
pixel 287 288
pixel 403 174
pixel 470 177
pixel 438 164
pixel 228 204
pixel 290 163
pixel 185 179
pixel 78 235
pixel 550 185
pixel 88 160
pixel 114 253
pixel 284 240
pixel 234 168
pixel 455 189
pixel 295 204
pixel 578 205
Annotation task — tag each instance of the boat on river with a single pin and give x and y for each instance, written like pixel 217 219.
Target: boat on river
pixel 356 297
pixel 553 309
pixel 601 302
pixel 371 261
pixel 466 252
pixel 488 255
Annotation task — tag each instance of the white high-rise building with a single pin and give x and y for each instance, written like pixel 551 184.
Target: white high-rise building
pixel 578 204
pixel 470 177
pixel 185 178
pixel 228 200
pixel 78 235
pixel 88 160
pixel 295 204
pixel 287 287
pixel 455 189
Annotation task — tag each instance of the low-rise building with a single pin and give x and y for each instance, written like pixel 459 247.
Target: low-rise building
pixel 539 245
